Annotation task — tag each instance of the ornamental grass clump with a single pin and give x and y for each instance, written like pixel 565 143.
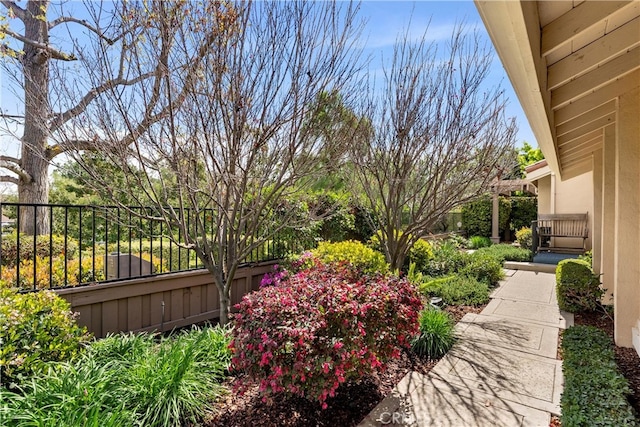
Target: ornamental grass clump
pixel 126 380
pixel 323 327
pixel 436 334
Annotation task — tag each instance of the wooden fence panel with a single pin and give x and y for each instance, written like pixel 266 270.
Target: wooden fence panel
pixel 158 303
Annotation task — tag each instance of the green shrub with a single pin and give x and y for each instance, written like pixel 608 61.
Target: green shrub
pixel 446 259
pixel 595 393
pixel 339 222
pixel 458 290
pixel 524 236
pixel 92 271
pixel 353 252
pixel 505 252
pixel 484 267
pixel 46 246
pixel 588 257
pixel 477 242
pixel 476 216
pixel 458 241
pixel 420 254
pixel 36 328
pixel 524 210
pixel 436 334
pixel 430 286
pixel 577 287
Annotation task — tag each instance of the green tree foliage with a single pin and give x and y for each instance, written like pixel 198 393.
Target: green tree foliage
pixel 528 156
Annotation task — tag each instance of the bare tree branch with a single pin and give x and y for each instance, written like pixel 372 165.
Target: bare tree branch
pixel 71 145
pixel 440 138
pixel 12 164
pixel 226 134
pixel 53 52
pixel 84 23
pixel 62 118
pixel 14 8
pixel 7 50
pixel 9 179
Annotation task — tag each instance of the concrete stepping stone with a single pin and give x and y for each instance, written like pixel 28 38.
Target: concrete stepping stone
pixel 530 312
pixel 509 375
pixel 510 334
pixel 419 400
pixel 527 290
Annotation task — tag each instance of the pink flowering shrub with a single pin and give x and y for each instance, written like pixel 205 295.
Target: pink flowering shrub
pixel 274 277
pixel 322 327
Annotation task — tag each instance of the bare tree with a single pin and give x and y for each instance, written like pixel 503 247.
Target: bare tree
pixel 51 83
pixel 439 138
pixel 240 144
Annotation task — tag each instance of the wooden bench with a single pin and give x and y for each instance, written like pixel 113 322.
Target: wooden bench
pixel 565 226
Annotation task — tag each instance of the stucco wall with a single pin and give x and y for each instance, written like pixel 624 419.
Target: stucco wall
pixel 544 194
pixel 573 195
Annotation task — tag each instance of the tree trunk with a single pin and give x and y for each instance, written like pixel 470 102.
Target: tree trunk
pixel 34 160
pixel 225 305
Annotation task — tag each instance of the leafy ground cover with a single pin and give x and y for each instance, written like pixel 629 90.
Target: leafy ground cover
pixel 626 359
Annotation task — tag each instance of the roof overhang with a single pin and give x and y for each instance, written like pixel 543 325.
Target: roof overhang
pixel 568 61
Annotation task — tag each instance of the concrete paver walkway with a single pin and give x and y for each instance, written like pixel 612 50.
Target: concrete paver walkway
pixel 502 371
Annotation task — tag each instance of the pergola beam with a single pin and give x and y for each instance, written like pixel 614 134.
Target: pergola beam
pixel 573 23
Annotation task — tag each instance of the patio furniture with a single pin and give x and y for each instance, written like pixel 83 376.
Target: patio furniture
pixel 560 232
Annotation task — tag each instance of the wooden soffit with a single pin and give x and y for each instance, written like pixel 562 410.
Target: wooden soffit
pixel 568 61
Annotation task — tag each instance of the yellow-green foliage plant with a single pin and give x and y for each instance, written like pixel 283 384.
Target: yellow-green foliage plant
pixel 524 237
pixel 356 253
pixel 37 327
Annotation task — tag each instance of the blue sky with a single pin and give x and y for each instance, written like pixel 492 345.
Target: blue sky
pixel 385 20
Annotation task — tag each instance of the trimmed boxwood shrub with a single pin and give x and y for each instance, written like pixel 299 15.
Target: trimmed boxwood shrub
pixel 35 328
pixel 595 393
pixel 578 288
pixel 322 327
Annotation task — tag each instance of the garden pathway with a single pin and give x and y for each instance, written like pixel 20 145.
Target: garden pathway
pixel 502 370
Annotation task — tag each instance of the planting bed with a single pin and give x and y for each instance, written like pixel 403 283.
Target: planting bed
pixel 627 359
pixel 350 405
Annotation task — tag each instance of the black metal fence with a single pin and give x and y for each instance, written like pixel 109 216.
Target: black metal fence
pixel 94 244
